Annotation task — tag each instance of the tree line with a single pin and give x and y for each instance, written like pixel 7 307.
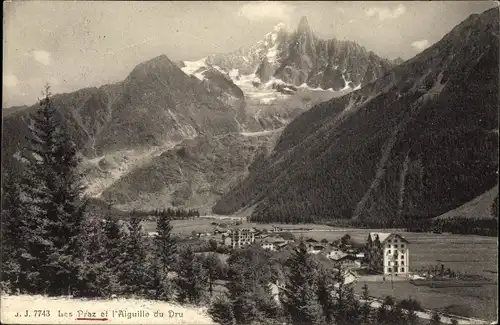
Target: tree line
pixel 172 213
pixel 457 225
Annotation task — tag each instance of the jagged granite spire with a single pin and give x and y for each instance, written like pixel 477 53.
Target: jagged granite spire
pixel 303 27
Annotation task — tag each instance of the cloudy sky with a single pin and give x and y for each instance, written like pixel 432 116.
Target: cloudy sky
pixel 73 45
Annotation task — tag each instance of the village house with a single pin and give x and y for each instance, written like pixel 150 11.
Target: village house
pixel 348 276
pixel 276 229
pixel 388 253
pixel 315 248
pixel 346 260
pixel 220 229
pixel 274 243
pixel 239 237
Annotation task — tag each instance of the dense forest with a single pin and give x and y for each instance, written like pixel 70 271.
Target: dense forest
pixel 172 213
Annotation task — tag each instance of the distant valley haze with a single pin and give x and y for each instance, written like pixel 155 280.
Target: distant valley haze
pixel 74 45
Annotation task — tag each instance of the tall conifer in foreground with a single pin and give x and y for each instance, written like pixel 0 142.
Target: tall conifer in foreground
pixel 166 246
pixel 134 263
pixel 221 311
pixel 95 276
pixel 325 298
pixel 300 298
pixel 249 287
pixel 115 245
pixel 191 277
pixel 55 200
pixel 13 232
pixel 365 308
pixel 210 265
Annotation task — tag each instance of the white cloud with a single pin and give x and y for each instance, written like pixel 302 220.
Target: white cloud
pixel 420 45
pixel 10 81
pixel 266 10
pixel 42 56
pixel 384 13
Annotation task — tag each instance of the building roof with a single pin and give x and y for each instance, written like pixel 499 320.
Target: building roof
pixel 336 255
pixel 237 230
pixel 274 240
pixel 383 236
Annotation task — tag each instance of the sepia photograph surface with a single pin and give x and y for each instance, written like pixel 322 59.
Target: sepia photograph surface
pixel 250 163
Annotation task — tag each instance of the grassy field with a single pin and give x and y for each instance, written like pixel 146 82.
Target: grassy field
pixel 476 302
pixel 463 253
pixel 185 227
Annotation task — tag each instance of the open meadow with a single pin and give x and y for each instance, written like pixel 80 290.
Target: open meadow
pixel 475 302
pixel 467 254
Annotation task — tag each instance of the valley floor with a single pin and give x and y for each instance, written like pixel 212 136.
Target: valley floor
pixel 466 254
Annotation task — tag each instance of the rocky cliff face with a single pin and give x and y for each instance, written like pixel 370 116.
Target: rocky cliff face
pixel 118 127
pixel 156 103
pixel 300 57
pixel 328 63
pixel 419 141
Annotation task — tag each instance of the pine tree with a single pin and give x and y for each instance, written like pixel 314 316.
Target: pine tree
pixel 365 308
pixel 95 278
pixel 352 307
pixel 221 311
pixel 210 264
pixel 383 312
pixel 134 264
pixel 325 298
pixel 300 297
pixel 115 246
pixel 156 285
pixel 166 246
pixel 249 287
pixel 340 303
pixel 55 199
pixel 191 278
pixel 13 235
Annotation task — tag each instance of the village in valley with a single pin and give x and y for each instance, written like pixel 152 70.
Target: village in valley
pixel 375 257
pixel 391 262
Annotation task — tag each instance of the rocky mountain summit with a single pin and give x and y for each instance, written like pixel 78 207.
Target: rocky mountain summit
pixel 299 57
